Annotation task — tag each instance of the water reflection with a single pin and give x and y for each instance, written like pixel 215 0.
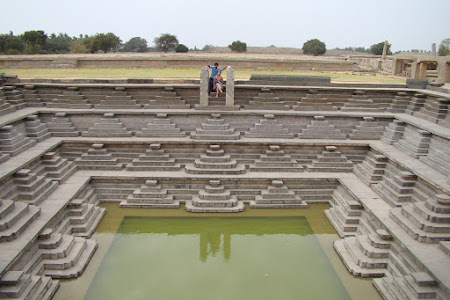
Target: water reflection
pixel 210 245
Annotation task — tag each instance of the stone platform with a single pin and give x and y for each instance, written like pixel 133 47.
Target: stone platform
pixel 378 156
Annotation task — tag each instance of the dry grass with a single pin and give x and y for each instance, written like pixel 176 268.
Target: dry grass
pixel 187 73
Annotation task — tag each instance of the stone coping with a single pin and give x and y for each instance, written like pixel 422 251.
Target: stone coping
pixel 239 85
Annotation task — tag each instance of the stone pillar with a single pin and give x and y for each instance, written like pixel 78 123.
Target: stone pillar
pixel 204 80
pixel 414 70
pixel 229 101
pixel 384 50
pixel 442 71
pixel 433 49
pixel 423 70
pixel 395 66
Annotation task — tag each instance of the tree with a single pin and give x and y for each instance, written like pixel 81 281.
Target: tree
pixel 10 44
pixel 238 46
pixel 135 44
pixel 58 43
pixel 377 49
pixel 103 42
pixel 166 42
pixel 314 47
pixel 78 46
pixel 35 39
pixel 181 48
pixel 444 47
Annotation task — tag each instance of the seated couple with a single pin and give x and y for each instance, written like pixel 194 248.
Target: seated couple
pixel 216 80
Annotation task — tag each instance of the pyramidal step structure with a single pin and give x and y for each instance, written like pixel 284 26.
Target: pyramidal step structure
pixel 320 128
pixel 154 159
pixel 161 127
pixel 215 161
pixel 278 195
pixel 214 198
pixel 108 127
pixel 269 128
pixel 150 195
pixel 275 160
pixel 119 99
pixel 215 129
pixel 62 126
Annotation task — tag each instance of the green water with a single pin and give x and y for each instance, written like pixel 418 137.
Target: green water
pixel 215 258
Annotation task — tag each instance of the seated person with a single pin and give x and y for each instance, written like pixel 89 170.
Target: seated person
pixel 218 83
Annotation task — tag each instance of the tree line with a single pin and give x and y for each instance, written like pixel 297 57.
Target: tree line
pixel 37 41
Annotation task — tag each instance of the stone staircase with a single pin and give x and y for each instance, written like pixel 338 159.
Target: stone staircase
pixel 365 255
pixel 269 128
pixel 60 256
pixel 426 222
pixel 360 102
pixel 35 129
pixel 320 128
pixel 161 127
pixel 331 160
pixel 5 106
pixel 108 127
pixel 266 101
pixel 98 158
pixel 417 285
pixel 414 142
pixel 20 285
pixel 62 126
pixel 438 156
pixel 371 170
pixel 434 110
pixel 82 218
pixel 314 102
pixel 33 188
pixel 396 187
pixel 278 195
pixel 119 99
pixel 215 162
pixel 57 168
pixel 167 99
pixel 13 141
pixel 345 215
pixel 31 96
pixel 14 97
pixel 367 130
pixel 215 129
pixel 393 132
pixel 214 198
pixel 150 195
pixel 15 217
pixel 70 98
pixel 416 103
pixel 154 159
pixel 399 103
pixel 275 160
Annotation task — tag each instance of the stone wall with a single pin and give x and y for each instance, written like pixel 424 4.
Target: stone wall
pixel 169 61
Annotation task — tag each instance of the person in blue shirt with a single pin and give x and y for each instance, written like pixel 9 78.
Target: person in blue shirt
pixel 214 70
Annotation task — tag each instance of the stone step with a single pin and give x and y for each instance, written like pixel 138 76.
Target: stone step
pixel 20 225
pixel 352 266
pixel 235 209
pixel 73 265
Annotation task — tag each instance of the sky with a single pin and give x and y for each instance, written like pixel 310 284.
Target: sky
pixel 406 24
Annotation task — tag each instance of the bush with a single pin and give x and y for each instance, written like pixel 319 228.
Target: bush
pixel 238 46
pixel 314 47
pixel 181 48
